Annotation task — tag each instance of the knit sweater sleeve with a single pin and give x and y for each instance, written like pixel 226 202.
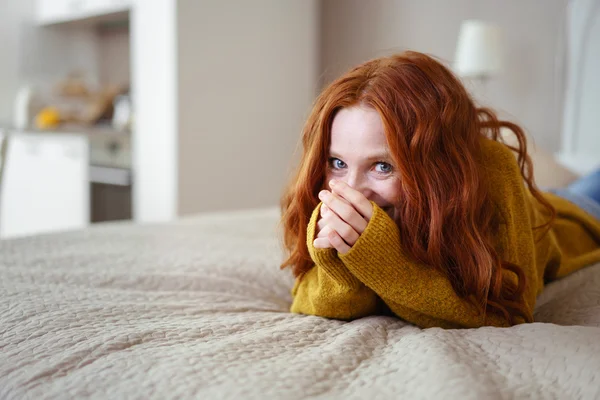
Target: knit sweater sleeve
pixel 329 289
pixel 413 291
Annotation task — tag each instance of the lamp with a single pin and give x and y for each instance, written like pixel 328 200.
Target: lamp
pixel 479 50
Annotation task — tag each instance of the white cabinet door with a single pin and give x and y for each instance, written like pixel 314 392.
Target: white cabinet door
pixel 57 11
pixel 45 186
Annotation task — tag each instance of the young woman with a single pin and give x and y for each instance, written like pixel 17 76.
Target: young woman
pixel 408 202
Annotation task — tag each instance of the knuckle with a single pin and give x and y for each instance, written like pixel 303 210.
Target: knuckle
pixel 362 227
pixel 348 213
pixel 347 232
pixel 343 211
pixel 333 237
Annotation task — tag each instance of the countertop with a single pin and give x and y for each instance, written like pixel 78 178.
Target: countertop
pixel 95 130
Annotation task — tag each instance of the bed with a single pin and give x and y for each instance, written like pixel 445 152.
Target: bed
pixel 198 308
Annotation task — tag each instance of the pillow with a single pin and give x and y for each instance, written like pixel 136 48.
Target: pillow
pixel 548 173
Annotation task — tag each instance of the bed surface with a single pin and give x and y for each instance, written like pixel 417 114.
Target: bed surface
pixel 199 309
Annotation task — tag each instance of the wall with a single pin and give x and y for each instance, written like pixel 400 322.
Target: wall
pixel 247 75
pixel 580 149
pixel 114 54
pixel 529 91
pixel 154 95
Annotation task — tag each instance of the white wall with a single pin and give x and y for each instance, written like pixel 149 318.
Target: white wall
pixel 530 90
pixel 154 95
pixel 247 75
pixel 581 142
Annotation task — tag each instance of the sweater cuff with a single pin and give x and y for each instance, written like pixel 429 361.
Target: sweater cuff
pixel 378 245
pixel 327 259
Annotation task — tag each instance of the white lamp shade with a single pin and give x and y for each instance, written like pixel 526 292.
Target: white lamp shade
pixel 479 49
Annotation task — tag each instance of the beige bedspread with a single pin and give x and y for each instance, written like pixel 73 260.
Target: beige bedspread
pixel 199 309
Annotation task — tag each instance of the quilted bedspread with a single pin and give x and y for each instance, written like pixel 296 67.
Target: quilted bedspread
pixel 199 309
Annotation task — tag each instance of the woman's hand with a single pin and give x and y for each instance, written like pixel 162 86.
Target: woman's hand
pixel 345 214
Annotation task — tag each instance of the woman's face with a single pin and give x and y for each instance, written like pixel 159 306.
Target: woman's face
pixel 359 156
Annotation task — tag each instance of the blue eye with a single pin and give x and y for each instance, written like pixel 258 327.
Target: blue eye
pixel 336 163
pixel 383 167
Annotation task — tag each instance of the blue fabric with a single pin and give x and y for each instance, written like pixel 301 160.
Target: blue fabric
pixel 584 192
pixel 588 185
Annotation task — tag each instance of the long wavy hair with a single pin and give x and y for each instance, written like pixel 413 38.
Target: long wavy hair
pixel 433 130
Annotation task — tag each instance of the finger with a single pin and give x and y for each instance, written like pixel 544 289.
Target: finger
pixel 344 210
pixel 322 243
pixel 323 232
pixel 321 224
pixel 324 209
pixel 353 197
pixel 343 229
pixel 337 242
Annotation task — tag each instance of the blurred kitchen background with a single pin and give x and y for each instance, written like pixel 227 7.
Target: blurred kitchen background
pixel 148 110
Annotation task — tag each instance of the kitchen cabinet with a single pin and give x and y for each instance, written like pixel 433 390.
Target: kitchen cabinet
pixel 58 11
pixel 45 185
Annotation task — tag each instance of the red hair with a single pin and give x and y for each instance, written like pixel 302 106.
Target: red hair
pixel 433 130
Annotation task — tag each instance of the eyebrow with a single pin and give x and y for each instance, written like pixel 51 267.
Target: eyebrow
pixel 375 157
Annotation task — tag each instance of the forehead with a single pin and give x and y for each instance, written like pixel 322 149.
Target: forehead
pixel 357 129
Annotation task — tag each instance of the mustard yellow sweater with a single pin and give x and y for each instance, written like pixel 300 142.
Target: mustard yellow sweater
pixel 376 276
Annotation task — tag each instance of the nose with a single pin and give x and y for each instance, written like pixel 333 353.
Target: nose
pixel 359 182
